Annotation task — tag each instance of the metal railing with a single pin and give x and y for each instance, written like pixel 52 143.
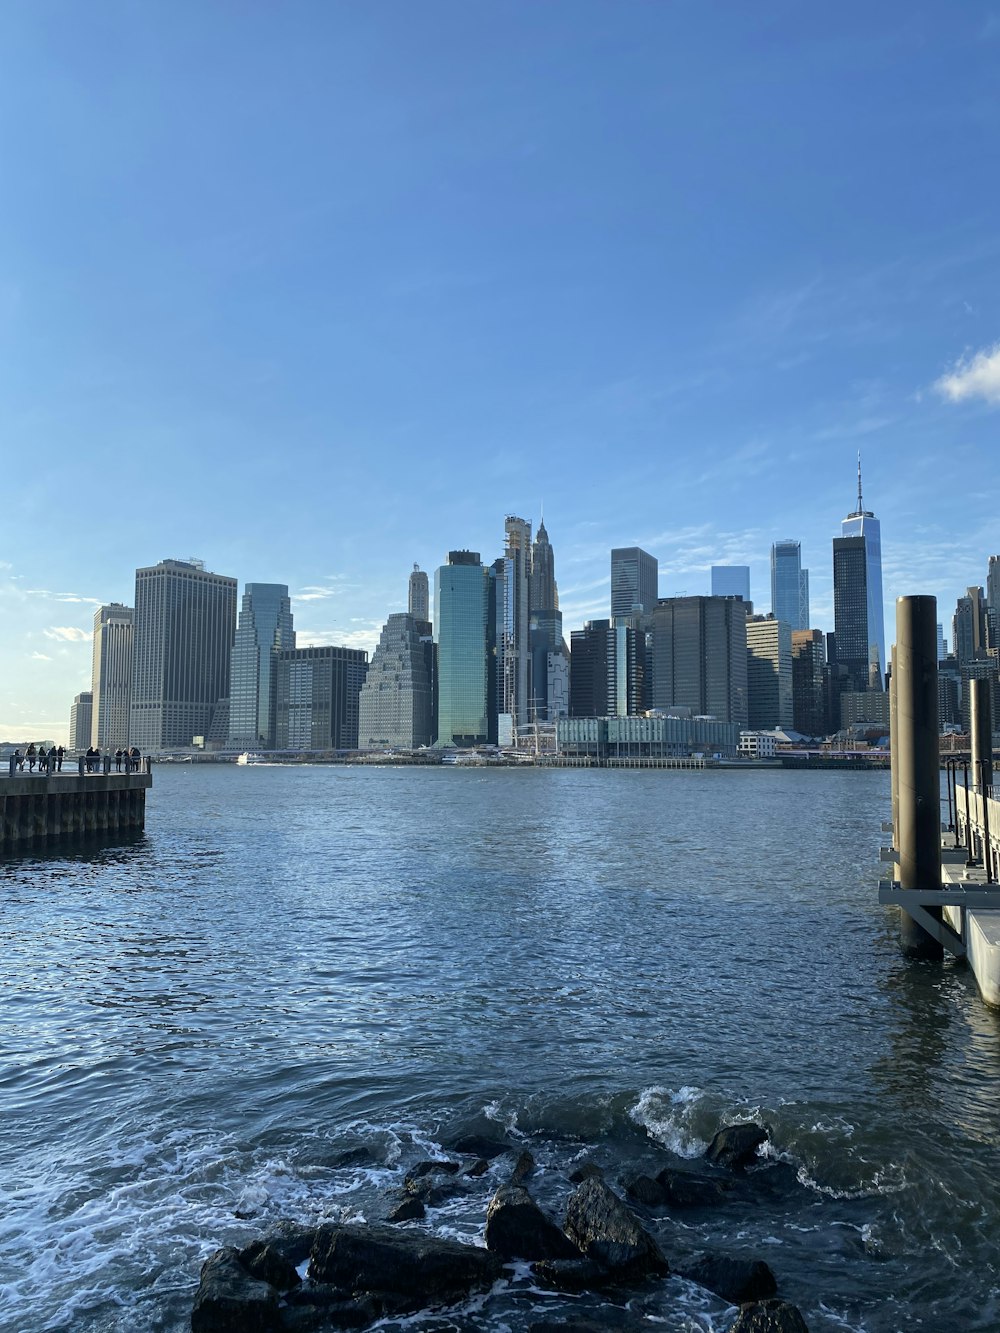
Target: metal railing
pixel 79 765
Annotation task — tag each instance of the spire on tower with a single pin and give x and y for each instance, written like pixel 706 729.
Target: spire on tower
pixel 861 507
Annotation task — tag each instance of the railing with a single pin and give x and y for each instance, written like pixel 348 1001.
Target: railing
pixel 80 765
pixel 977 827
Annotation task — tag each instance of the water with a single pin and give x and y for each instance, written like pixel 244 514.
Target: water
pixel 297 961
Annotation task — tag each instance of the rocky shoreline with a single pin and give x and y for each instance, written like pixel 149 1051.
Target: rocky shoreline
pixel 608 1253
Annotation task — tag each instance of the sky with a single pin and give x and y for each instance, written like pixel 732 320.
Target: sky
pixel 317 290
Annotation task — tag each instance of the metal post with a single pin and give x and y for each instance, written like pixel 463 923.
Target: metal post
pixel 954 793
pixel 893 764
pixel 984 787
pixel 981 732
pixel 947 783
pixel 970 859
pixel 917 758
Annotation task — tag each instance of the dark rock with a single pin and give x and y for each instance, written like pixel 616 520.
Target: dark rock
pixel 229 1300
pixel 516 1228
pixel 605 1230
pixel 408 1208
pixel 684 1188
pixel 404 1270
pixel 736 1146
pixel 588 1171
pixel 611 1317
pixel 735 1280
pixel 433 1168
pixel 293 1241
pixel 643 1189
pixel 571 1274
pixel 769 1317
pixel 433 1193
pixel 478 1145
pixel 317 1310
pixel 355 1157
pixel 265 1261
pixel 479 1167
pixel 523 1168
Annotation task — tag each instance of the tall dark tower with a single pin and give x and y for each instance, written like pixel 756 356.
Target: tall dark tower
pixel 549 684
pixel 857 598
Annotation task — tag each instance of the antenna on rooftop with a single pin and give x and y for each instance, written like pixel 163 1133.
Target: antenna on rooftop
pixel 861 507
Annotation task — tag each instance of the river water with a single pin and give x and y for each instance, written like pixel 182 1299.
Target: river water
pixel 602 965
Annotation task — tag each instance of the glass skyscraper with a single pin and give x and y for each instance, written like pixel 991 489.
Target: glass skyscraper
pixel 789 585
pixel 859 632
pixel 460 621
pixel 263 633
pixel 634 581
pixel 731 581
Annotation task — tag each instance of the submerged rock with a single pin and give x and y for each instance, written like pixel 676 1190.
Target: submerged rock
pixel 265 1261
pixel 572 1274
pixel 478 1145
pixel 404 1270
pixel 523 1168
pixel 735 1280
pixel 736 1146
pixel 769 1317
pixel 678 1187
pixel 516 1228
pixel 230 1300
pixel 600 1225
pixel 586 1171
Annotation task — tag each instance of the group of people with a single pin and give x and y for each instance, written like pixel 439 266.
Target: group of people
pixel 51 761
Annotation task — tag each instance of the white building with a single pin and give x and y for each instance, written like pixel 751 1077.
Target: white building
pixel 111 678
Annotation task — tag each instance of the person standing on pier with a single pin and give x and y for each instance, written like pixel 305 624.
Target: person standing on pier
pixel 118 760
pixel 59 758
pixel 31 754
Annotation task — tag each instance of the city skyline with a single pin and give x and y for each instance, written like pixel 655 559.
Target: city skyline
pixel 375 279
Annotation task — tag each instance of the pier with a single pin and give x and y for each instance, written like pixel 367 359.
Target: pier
pixel 38 809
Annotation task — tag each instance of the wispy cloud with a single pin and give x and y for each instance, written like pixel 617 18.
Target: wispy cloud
pixel 364 637
pixel 39 657
pixel 977 376
pixel 62 596
pixel 318 592
pixel 67 634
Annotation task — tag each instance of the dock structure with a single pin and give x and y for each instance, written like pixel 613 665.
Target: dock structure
pixel 39 809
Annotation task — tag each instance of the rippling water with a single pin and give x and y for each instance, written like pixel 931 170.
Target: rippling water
pixel 295 961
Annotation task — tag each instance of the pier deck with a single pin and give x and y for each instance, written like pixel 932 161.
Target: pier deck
pixel 38 808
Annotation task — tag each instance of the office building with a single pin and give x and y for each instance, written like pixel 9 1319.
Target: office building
pixel 942 644
pixel 263 633
pixel 809 707
pixel 645 738
pixel 396 705
pixel 318 697
pixel 111 676
pixel 857 598
pixel 789 585
pixel 969 627
pixel 731 581
pixel 769 673
pixel 993 605
pixel 185 621
pixel 634 582
pixel 460 632
pixel 419 601
pixel 549 680
pixel 81 721
pixel 607 669
pixel 700 657
pixel 512 626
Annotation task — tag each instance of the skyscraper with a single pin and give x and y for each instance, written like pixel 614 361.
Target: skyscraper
pixel 607 666
pixel 549 667
pixel 512 629
pixel 81 721
pixel 809 711
pixel 969 627
pixel 318 697
pixel 395 709
pixel 769 673
pixel 857 598
pixel 264 632
pixel 700 656
pixel 419 604
pixel 993 604
pixel 789 585
pixel 634 581
pixel 460 606
pixel 111 677
pixel 731 581
pixel 185 620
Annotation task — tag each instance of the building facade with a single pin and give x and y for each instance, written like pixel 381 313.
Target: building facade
pixel 635 580
pixel 419 600
pixel 263 633
pixel 185 621
pixel 81 721
pixel 969 627
pixel 607 669
pixel 396 705
pixel 769 673
pixel 857 598
pixel 700 657
pixel 548 688
pixel 460 635
pixel 809 707
pixel 319 691
pixel 512 631
pixel 789 585
pixel 731 581
pixel 111 676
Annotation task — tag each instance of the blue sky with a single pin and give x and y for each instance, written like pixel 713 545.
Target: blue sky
pixel 316 290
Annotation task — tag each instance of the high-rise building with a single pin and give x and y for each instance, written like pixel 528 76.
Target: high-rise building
pixel 993 605
pixel 263 633
pixel 789 585
pixel 769 673
pixel 318 696
pixel 111 676
pixel 513 621
pixel 395 710
pixel 857 598
pixel 700 657
pixel 460 628
pixel 548 690
pixel 81 721
pixel 731 581
pixel 419 602
pixel 969 627
pixel 809 710
pixel 634 582
pixel 607 667
pixel 942 643
pixel 185 620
